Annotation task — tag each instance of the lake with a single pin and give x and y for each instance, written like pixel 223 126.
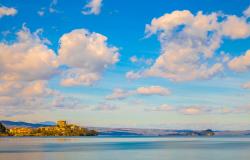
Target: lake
pixel 127 148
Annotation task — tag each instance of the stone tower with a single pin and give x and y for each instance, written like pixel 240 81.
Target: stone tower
pixel 61 123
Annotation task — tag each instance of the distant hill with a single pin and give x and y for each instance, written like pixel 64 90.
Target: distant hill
pixel 163 132
pixel 11 124
pixel 130 131
pixel 47 123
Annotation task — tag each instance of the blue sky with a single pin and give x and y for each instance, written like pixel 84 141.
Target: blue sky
pixel 193 90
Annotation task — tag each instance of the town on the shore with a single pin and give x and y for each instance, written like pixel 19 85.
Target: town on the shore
pixel 62 128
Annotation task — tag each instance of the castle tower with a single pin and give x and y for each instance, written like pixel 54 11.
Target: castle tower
pixel 61 123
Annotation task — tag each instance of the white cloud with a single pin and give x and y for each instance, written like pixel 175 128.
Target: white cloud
pixel 245 109
pixel 50 9
pixel 241 63
pixel 146 91
pixel 16 97
pixel 5 11
pixel 92 7
pixel 193 110
pixel 236 27
pixel 131 75
pixel 52 6
pixel 20 97
pixel 67 102
pixel 27 64
pixel 183 50
pixel 188 43
pixel 5 33
pixel 247 12
pixel 105 107
pixel 188 110
pixel 200 110
pixel 153 90
pixel 76 77
pixel 119 94
pixel 41 12
pixel 25 89
pixel 163 107
pixel 135 59
pixel 246 85
pixel 87 54
pixel 225 110
pixel 28 58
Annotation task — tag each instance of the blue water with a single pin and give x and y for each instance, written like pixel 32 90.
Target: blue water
pixel 134 148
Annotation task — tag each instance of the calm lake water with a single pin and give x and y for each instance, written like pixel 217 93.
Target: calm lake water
pixel 104 148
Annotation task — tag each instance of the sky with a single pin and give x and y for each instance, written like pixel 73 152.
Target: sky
pixel 172 64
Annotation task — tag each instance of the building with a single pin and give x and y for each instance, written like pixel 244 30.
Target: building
pixel 20 131
pixel 61 124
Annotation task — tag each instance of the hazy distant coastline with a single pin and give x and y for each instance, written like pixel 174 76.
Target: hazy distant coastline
pixel 102 131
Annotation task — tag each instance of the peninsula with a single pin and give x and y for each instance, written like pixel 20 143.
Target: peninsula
pixel 62 128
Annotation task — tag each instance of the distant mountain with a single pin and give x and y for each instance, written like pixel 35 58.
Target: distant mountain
pixel 11 124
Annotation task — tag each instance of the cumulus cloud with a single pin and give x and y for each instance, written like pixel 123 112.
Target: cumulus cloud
pixel 181 53
pixel 235 27
pixel 27 64
pixel 188 43
pixel 17 96
pixel 92 7
pixel 241 63
pixel 146 91
pixel 87 54
pixel 6 11
pixel 28 58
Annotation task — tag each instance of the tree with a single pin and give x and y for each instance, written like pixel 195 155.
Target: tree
pixel 2 128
